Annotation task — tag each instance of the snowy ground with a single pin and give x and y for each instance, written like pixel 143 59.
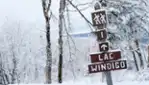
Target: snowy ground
pixel 94 83
pixel 130 78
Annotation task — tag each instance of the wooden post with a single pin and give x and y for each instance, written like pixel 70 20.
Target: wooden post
pixel 100 40
pixel 99 19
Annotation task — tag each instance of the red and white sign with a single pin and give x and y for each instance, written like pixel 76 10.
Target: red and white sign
pixel 107 66
pixel 108 56
pixel 106 60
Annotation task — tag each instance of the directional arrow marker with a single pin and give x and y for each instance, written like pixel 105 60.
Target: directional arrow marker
pixel 104 46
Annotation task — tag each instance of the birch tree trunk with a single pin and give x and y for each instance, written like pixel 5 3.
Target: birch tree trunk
pixel 139 53
pixel 46 7
pixel 60 41
pixel 134 57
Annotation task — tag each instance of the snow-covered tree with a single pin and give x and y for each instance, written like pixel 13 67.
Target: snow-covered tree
pixel 46 4
pixel 128 20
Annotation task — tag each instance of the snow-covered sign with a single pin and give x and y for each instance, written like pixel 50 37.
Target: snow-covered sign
pixel 106 60
pixel 106 56
pixel 107 66
pixel 99 18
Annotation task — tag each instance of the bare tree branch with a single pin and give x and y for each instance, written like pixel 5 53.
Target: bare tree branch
pixel 80 13
pixel 49 5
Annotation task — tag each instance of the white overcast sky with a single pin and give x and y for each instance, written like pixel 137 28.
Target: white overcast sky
pixel 30 11
pixel 26 10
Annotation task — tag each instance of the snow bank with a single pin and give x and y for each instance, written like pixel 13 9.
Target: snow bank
pixel 94 81
pixel 86 83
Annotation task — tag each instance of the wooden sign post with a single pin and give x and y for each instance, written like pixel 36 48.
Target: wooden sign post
pixel 99 19
pixel 105 60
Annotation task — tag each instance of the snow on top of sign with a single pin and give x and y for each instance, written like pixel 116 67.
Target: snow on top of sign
pixel 113 9
pixel 102 52
pixel 99 10
pixel 106 41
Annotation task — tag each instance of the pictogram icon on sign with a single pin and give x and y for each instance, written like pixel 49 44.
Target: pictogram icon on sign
pixel 99 18
pixel 104 46
pixel 101 35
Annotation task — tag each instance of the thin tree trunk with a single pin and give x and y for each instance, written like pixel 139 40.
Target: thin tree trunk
pixel 139 53
pixel 60 41
pixel 46 5
pixel 131 48
pixel 49 53
pixel 14 73
pixel 134 57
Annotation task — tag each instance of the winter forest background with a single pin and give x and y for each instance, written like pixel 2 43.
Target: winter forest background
pixel 23 39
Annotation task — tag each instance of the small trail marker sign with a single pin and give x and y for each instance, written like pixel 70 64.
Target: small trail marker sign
pixel 104 46
pixel 102 34
pixel 99 18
